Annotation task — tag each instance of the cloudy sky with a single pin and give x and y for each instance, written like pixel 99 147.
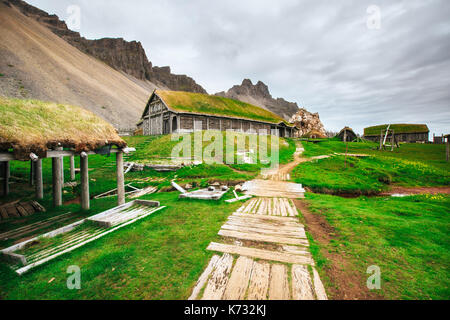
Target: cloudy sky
pixel 356 62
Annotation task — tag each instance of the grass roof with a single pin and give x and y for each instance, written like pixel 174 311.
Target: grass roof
pixel 199 103
pixel 398 128
pixel 35 126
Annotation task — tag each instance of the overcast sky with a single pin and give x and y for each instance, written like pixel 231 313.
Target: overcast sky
pixel 331 57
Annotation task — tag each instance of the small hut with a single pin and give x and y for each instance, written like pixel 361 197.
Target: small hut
pixel 33 130
pixel 410 133
pixel 347 134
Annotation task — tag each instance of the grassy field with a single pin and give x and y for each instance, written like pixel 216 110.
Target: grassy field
pixel 159 257
pixel 408 238
pixel 410 165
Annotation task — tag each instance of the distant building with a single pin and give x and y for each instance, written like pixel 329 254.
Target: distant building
pixel 178 112
pixel 347 134
pixel 403 132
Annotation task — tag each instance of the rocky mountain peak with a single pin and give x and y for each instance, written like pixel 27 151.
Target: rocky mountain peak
pixel 122 55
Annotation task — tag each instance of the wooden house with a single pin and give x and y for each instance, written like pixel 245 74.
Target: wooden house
pixel 180 112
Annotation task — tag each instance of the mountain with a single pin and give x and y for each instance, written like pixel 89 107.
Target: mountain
pixel 126 56
pixel 259 95
pixel 36 63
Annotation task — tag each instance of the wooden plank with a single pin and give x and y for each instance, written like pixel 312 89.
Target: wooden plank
pixel 282 207
pixel 279 284
pixel 204 277
pixel 264 224
pixel 260 237
pixel 275 218
pixel 3 213
pixel 264 231
pixel 217 283
pixel 238 282
pixel 301 283
pixel 292 208
pixel 21 210
pixel 294 249
pixel 260 253
pixel 259 281
pixel 318 286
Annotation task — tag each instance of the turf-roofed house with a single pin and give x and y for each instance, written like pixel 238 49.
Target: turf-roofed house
pixel 402 132
pixel 33 130
pixel 180 112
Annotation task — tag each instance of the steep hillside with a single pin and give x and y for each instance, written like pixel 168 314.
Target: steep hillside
pixel 36 63
pixel 126 56
pixel 259 95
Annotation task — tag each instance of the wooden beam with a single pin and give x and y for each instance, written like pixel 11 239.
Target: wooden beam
pixel 84 171
pixel 72 168
pixel 39 182
pixel 120 179
pixel 57 186
pixel 5 174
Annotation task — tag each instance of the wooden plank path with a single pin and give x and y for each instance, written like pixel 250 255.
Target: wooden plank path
pixel 264 256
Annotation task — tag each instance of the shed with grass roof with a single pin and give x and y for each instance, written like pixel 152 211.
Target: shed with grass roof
pixel 180 112
pixel 402 132
pixel 33 130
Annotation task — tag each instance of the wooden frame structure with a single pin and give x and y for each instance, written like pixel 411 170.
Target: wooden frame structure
pixel 58 176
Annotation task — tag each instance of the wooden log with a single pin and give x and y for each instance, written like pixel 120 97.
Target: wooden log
pixel 57 185
pixel 120 179
pixel 39 181
pixel 72 168
pixel 84 171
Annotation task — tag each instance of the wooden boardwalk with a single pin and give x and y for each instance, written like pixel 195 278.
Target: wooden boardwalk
pixel 264 252
pixel 264 255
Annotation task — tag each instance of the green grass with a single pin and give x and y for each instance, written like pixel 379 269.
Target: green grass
pixel 398 128
pixel 159 257
pixel 406 237
pixel 410 165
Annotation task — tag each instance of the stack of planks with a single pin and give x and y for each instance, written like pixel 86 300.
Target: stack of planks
pixel 19 209
pixel 38 250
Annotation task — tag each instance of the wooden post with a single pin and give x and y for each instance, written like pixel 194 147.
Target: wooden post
pixel 84 172
pixel 392 141
pixel 120 179
pixel 57 186
pixel 32 172
pixel 345 135
pixel 72 168
pixel 447 147
pixel 39 181
pixel 381 139
pixel 6 175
